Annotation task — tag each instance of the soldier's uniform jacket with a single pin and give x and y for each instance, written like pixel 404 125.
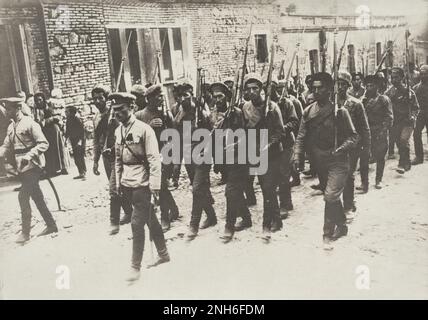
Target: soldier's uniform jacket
pixel 421 91
pixel 146 115
pixel 359 119
pixel 255 119
pixel 357 94
pixel 379 113
pixel 138 161
pixel 298 107
pixel 26 140
pixel 290 121
pixel 317 131
pixel 404 108
pixel 104 128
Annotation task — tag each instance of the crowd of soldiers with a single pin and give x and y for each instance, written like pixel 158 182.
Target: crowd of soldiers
pixel 330 125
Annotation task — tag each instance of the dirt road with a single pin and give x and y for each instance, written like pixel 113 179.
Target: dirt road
pixel 385 254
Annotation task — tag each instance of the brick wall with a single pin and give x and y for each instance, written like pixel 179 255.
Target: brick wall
pixel 31 19
pixel 78 44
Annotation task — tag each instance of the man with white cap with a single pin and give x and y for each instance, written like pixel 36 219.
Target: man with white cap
pixel 26 141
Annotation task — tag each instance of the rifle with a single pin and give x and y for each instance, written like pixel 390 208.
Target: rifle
pixel 339 59
pixel 119 76
pixel 281 74
pixel 385 54
pixel 407 35
pixel 244 65
pixel 335 92
pixel 157 71
pixel 284 92
pixel 199 99
pixel 269 80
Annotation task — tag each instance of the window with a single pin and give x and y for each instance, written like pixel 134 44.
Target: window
pixel 152 55
pixel 15 65
pixel 351 58
pixel 314 61
pixel 262 53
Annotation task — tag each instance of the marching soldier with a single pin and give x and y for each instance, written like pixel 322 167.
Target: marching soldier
pixel 421 91
pixel 26 141
pixel 138 172
pixel 256 117
pixel 104 127
pixel 291 123
pixel 357 89
pixel 199 174
pixel 362 149
pixel 317 135
pixel 379 113
pixel 229 117
pixel 139 91
pixel 156 115
pixel 406 107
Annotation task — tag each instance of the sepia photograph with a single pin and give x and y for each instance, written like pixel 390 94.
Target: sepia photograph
pixel 207 150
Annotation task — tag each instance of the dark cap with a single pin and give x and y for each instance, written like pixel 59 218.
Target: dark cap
pixel 119 98
pixel 154 90
pixel 184 85
pixel 138 90
pixel 71 108
pixel 219 86
pixel 324 77
pixel 374 79
pixel 398 70
pixel 253 78
pixel 12 101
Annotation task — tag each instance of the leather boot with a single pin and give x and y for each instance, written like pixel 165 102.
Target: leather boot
pixel 341 231
pixel 379 185
pixel 192 233
pixel 363 188
pixel 125 219
pixel 276 225
pixel 163 257
pixel 227 235
pixel 166 225
pixel 245 223
pixel 22 238
pixel 114 229
pixel 134 275
pixel 417 161
pixel 48 230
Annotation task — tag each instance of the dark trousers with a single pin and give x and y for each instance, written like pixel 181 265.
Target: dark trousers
pixel 237 178
pixel 31 188
pixel 201 194
pixel 143 213
pixel 269 183
pixel 116 201
pixel 349 191
pixel 167 202
pixel 401 133
pixel 177 169
pixel 333 171
pixel 2 167
pixel 79 157
pixel 285 172
pixel 250 195
pixel 421 123
pixel 379 148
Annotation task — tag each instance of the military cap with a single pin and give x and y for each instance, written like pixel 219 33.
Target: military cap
pixel 138 90
pixel 375 79
pixel 220 86
pixel 275 80
pixel 424 69
pixel 253 77
pixel 345 76
pixel 229 80
pixel 101 88
pixel 355 74
pixel 184 85
pixel 398 70
pixel 12 101
pixel 120 98
pixel 324 77
pixel 154 90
